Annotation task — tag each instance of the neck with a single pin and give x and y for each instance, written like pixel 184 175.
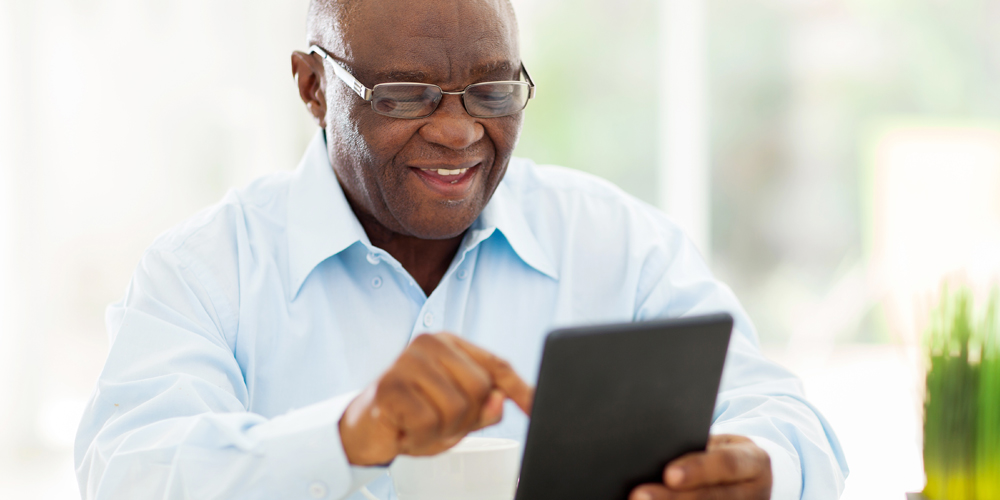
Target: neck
pixel 426 260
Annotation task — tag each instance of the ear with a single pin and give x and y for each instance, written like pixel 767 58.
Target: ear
pixel 310 77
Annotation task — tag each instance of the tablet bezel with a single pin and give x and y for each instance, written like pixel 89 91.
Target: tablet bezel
pixel 662 379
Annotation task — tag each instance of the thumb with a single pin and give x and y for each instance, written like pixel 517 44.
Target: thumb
pixel 492 411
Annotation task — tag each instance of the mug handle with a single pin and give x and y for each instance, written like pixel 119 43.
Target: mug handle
pixel 368 494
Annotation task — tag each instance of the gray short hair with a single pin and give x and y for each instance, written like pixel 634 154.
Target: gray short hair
pixel 332 17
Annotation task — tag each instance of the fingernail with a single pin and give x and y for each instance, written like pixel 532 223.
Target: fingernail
pixel 642 495
pixel 675 476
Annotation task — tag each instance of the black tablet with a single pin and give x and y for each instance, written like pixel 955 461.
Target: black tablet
pixel 614 404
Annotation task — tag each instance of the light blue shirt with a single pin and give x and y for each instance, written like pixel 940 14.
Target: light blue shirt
pixel 246 331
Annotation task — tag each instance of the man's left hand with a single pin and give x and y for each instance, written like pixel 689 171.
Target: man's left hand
pixel 731 467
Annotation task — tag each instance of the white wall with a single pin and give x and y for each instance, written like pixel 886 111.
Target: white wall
pixel 118 119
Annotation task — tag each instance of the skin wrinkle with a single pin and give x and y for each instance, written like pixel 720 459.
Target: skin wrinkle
pixel 497 70
pixel 406 410
pixel 329 19
pixel 450 43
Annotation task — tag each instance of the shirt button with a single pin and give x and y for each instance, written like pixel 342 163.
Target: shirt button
pixel 373 259
pixel 428 319
pixel 463 274
pixel 318 490
pixel 376 282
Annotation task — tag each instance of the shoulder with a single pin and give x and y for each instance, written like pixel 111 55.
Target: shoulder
pixel 579 199
pixel 602 238
pixel 524 175
pixel 221 226
pixel 195 267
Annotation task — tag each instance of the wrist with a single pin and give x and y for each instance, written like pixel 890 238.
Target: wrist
pixel 364 440
pixel 786 473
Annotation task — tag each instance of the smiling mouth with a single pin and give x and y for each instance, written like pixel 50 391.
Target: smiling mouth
pixel 448 182
pixel 446 174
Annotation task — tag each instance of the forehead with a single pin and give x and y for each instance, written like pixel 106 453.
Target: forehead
pixel 430 35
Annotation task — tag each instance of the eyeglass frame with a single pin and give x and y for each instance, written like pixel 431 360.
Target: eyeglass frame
pixel 367 94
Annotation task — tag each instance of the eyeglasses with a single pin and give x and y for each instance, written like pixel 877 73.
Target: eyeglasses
pixel 419 100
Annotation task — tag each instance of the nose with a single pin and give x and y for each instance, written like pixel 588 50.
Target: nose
pixel 451 126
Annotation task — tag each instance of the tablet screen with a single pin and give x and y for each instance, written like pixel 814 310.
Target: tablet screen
pixel 615 403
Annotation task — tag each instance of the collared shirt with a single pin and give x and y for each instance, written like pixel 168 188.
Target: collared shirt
pixel 246 331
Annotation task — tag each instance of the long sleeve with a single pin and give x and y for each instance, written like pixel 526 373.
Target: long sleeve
pixel 757 398
pixel 169 416
pixel 244 331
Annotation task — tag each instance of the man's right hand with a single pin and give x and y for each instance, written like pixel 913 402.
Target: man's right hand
pixel 440 389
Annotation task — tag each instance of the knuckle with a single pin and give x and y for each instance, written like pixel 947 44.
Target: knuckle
pixel 480 385
pixel 446 336
pixel 698 463
pixel 391 383
pixel 715 440
pixel 423 421
pixel 502 364
pixel 730 463
pixel 424 340
pixel 456 411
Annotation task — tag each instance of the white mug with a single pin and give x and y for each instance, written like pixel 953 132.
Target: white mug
pixel 477 468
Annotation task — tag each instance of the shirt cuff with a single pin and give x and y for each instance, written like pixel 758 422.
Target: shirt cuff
pixel 361 476
pixel 786 474
pixel 303 447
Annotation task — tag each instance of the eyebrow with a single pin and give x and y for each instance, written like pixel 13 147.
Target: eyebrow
pixel 399 76
pixel 485 69
pixel 492 68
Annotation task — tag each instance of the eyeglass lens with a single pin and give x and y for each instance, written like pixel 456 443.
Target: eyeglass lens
pixel 416 100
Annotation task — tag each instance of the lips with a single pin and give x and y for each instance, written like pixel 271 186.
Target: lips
pixel 444 173
pixel 450 181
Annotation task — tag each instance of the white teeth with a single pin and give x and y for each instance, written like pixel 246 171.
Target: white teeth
pixel 446 172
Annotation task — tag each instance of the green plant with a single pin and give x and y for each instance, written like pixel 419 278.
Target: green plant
pixel 962 405
pixel 988 428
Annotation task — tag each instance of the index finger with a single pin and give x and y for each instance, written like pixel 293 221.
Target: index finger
pixel 504 376
pixel 730 464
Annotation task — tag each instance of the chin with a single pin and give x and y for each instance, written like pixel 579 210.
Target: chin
pixel 444 224
pixel 440 233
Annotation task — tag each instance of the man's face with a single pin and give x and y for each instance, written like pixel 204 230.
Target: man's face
pixel 399 172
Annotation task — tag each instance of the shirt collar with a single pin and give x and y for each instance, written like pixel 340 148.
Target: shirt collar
pixel 321 223
pixel 505 214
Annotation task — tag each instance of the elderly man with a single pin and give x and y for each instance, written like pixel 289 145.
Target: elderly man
pixel 274 345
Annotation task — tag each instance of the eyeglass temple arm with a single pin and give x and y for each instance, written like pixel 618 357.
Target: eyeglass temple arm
pixel 531 84
pixel 358 88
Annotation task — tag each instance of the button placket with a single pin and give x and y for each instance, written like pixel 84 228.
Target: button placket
pixel 458 293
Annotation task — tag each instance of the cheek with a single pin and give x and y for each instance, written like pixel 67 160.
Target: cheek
pixel 362 138
pixel 365 145
pixel 344 133
pixel 505 132
pixel 516 133
pixel 385 137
